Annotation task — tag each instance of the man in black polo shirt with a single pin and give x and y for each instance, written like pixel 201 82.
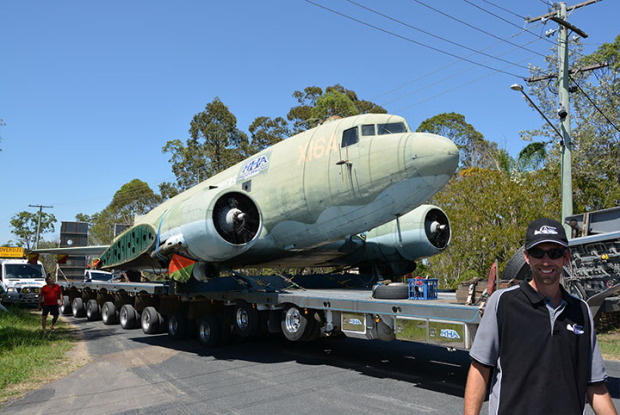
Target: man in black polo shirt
pixel 536 344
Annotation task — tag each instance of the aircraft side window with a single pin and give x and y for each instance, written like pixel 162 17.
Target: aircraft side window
pixel 350 136
pixel 368 129
pixel 392 128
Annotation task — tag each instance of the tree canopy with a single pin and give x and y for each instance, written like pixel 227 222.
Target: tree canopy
pixel 24 226
pixel 133 198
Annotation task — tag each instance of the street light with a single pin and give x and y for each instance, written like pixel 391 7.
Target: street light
pixel 517 87
pixel 566 167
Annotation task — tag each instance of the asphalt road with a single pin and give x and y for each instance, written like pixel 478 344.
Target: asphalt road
pixel 133 373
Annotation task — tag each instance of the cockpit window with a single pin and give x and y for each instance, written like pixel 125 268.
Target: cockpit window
pixel 349 137
pixel 392 128
pixel 368 129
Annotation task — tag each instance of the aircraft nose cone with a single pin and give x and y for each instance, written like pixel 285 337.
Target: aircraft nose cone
pixel 432 156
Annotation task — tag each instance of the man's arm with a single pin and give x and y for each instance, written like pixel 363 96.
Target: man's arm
pixel 476 388
pixel 600 400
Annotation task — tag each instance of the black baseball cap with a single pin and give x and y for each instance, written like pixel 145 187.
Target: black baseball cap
pixel 545 230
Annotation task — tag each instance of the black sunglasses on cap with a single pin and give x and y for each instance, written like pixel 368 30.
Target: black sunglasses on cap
pixel 553 253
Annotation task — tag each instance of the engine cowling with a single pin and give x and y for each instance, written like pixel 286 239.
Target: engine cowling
pixel 421 233
pixel 215 228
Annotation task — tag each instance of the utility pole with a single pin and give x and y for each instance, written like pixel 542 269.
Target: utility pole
pixel 559 16
pixel 41 207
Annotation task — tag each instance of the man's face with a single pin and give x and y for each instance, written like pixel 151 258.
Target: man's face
pixel 49 281
pixel 545 270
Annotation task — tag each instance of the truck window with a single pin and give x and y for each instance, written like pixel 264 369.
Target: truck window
pixel 349 137
pixel 392 128
pixel 23 271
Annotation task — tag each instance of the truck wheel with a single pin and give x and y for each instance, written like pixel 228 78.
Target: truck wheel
pixel 150 320
pixel 294 324
pixel 92 310
pixel 177 325
pixel 393 291
pixel 128 317
pixel 209 330
pixel 516 267
pixel 77 307
pixel 247 320
pixel 65 307
pixel 108 313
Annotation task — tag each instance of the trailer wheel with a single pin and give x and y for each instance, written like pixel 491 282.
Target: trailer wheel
pixel 209 330
pixel 65 307
pixel 92 310
pixel 294 324
pixel 313 332
pixel 516 267
pixel 108 313
pixel 247 320
pixel 393 291
pixel 150 320
pixel 128 317
pixel 178 327
pixel 77 307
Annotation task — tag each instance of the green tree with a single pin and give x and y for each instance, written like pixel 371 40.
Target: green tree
pixel 489 212
pixel 214 145
pixel 595 123
pixel 475 151
pixel 304 116
pixel 333 104
pixel 265 132
pixel 24 226
pixel 133 198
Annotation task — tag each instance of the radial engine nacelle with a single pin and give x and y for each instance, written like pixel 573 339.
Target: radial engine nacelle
pixel 228 226
pixel 395 246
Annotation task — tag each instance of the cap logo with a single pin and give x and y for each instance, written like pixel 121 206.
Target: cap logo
pixel 546 230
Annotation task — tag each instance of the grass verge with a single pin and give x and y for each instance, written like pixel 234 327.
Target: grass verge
pixel 29 357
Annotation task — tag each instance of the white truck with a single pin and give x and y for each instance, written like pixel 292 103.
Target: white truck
pixel 21 281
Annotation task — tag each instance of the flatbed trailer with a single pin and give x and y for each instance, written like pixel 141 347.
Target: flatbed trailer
pixel 247 307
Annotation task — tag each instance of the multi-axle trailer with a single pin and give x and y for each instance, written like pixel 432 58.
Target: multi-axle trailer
pixel 245 307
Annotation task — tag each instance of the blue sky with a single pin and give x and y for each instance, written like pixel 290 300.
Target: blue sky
pixel 91 91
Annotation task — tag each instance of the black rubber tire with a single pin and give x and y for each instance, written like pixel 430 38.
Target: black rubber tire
pixel 109 315
pixel 294 324
pixel 517 268
pixel 150 320
pixel 178 327
pixel 314 332
pixel 92 310
pixel 209 330
pixel 393 291
pixel 128 317
pixel 65 307
pixel 246 320
pixel 77 308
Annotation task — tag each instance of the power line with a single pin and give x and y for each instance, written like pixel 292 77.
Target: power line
pixel 594 104
pixel 481 30
pixel 426 86
pixel 504 9
pixel 412 40
pixel 448 65
pixel 436 36
pixel 505 20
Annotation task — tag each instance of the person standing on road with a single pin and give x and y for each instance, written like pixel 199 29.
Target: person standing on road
pixel 50 297
pixel 536 345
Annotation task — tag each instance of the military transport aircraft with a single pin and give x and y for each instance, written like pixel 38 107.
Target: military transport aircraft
pixel 310 200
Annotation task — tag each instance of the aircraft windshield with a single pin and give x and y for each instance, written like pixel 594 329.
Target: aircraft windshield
pixel 392 128
pixel 23 271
